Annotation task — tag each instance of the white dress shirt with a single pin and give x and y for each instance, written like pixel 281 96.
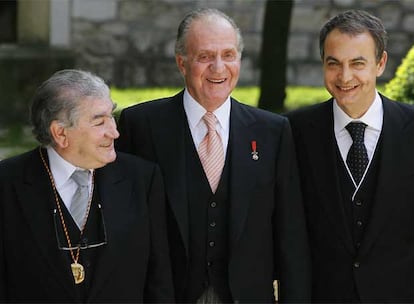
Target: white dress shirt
pixel 195 112
pixel 373 118
pixel 62 171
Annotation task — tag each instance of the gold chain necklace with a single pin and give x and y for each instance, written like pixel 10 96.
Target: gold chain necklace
pixel 78 270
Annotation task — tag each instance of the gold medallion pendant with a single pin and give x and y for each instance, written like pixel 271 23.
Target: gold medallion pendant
pixel 78 272
pixel 77 269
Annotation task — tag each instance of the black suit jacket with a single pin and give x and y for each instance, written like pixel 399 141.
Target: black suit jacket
pixel 384 265
pixel 267 233
pixel 133 266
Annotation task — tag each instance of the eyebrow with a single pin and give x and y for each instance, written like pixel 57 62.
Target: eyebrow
pixel 100 115
pixel 359 58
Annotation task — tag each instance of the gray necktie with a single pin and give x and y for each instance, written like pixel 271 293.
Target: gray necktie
pixel 81 196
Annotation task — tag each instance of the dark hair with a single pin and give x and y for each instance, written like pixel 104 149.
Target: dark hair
pixel 58 99
pixel 354 22
pixel 197 14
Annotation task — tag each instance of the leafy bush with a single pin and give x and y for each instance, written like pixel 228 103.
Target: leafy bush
pixel 17 138
pixel 296 96
pixel 401 87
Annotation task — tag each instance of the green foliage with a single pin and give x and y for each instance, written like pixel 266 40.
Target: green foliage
pixel 16 139
pixel 401 87
pixel 127 97
pixel 295 96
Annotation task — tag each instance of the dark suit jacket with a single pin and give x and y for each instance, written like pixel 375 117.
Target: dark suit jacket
pixel 133 266
pixel 267 233
pixel 384 265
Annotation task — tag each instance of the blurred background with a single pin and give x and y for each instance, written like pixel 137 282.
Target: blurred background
pixel 130 43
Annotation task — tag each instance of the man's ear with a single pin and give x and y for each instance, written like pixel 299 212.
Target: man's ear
pixel 58 132
pixel 381 64
pixel 179 60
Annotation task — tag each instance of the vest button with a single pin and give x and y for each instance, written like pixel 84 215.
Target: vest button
pixel 213 224
pixel 213 204
pixel 356 265
pixel 359 223
pixel 84 242
pixel 211 243
pixel 209 263
pixel 358 202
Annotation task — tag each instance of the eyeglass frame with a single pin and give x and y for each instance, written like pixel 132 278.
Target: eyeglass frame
pixel 79 246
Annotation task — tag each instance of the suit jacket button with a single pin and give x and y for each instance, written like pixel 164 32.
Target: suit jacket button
pixel 356 264
pixel 358 202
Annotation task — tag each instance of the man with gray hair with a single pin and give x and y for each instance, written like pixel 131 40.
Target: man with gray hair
pixel 235 217
pixel 80 222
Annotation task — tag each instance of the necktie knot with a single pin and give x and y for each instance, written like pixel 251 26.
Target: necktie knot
pixel 210 120
pixel 356 130
pixel 81 177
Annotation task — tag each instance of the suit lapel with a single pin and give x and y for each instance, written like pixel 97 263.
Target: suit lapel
pixel 170 141
pixel 320 137
pixel 242 170
pixel 391 165
pixel 37 202
pixel 112 188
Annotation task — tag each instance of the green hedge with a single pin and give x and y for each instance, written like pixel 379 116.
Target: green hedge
pixel 296 96
pixel 401 87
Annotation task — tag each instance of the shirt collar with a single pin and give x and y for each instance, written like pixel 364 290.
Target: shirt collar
pixel 372 118
pixel 61 169
pixel 195 111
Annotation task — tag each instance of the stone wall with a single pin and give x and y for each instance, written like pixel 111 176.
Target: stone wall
pixel 22 70
pixel 131 42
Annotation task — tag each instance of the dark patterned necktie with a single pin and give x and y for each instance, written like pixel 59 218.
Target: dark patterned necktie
pixel 357 158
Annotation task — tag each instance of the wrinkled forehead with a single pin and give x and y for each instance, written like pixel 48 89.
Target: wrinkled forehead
pixel 212 31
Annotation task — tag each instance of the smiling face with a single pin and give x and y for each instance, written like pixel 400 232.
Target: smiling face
pixel 350 70
pixel 89 144
pixel 211 65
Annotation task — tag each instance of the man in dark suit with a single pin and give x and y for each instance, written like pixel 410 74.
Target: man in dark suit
pixel 355 155
pixel 237 225
pixel 115 248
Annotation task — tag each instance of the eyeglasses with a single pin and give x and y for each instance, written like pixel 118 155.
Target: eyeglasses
pixel 83 245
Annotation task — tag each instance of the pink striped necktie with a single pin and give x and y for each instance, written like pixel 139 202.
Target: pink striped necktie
pixel 211 152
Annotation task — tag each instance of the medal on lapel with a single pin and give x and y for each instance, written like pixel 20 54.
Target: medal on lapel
pixel 255 154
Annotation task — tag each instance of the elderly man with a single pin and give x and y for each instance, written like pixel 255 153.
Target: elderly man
pixel 235 216
pixel 79 222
